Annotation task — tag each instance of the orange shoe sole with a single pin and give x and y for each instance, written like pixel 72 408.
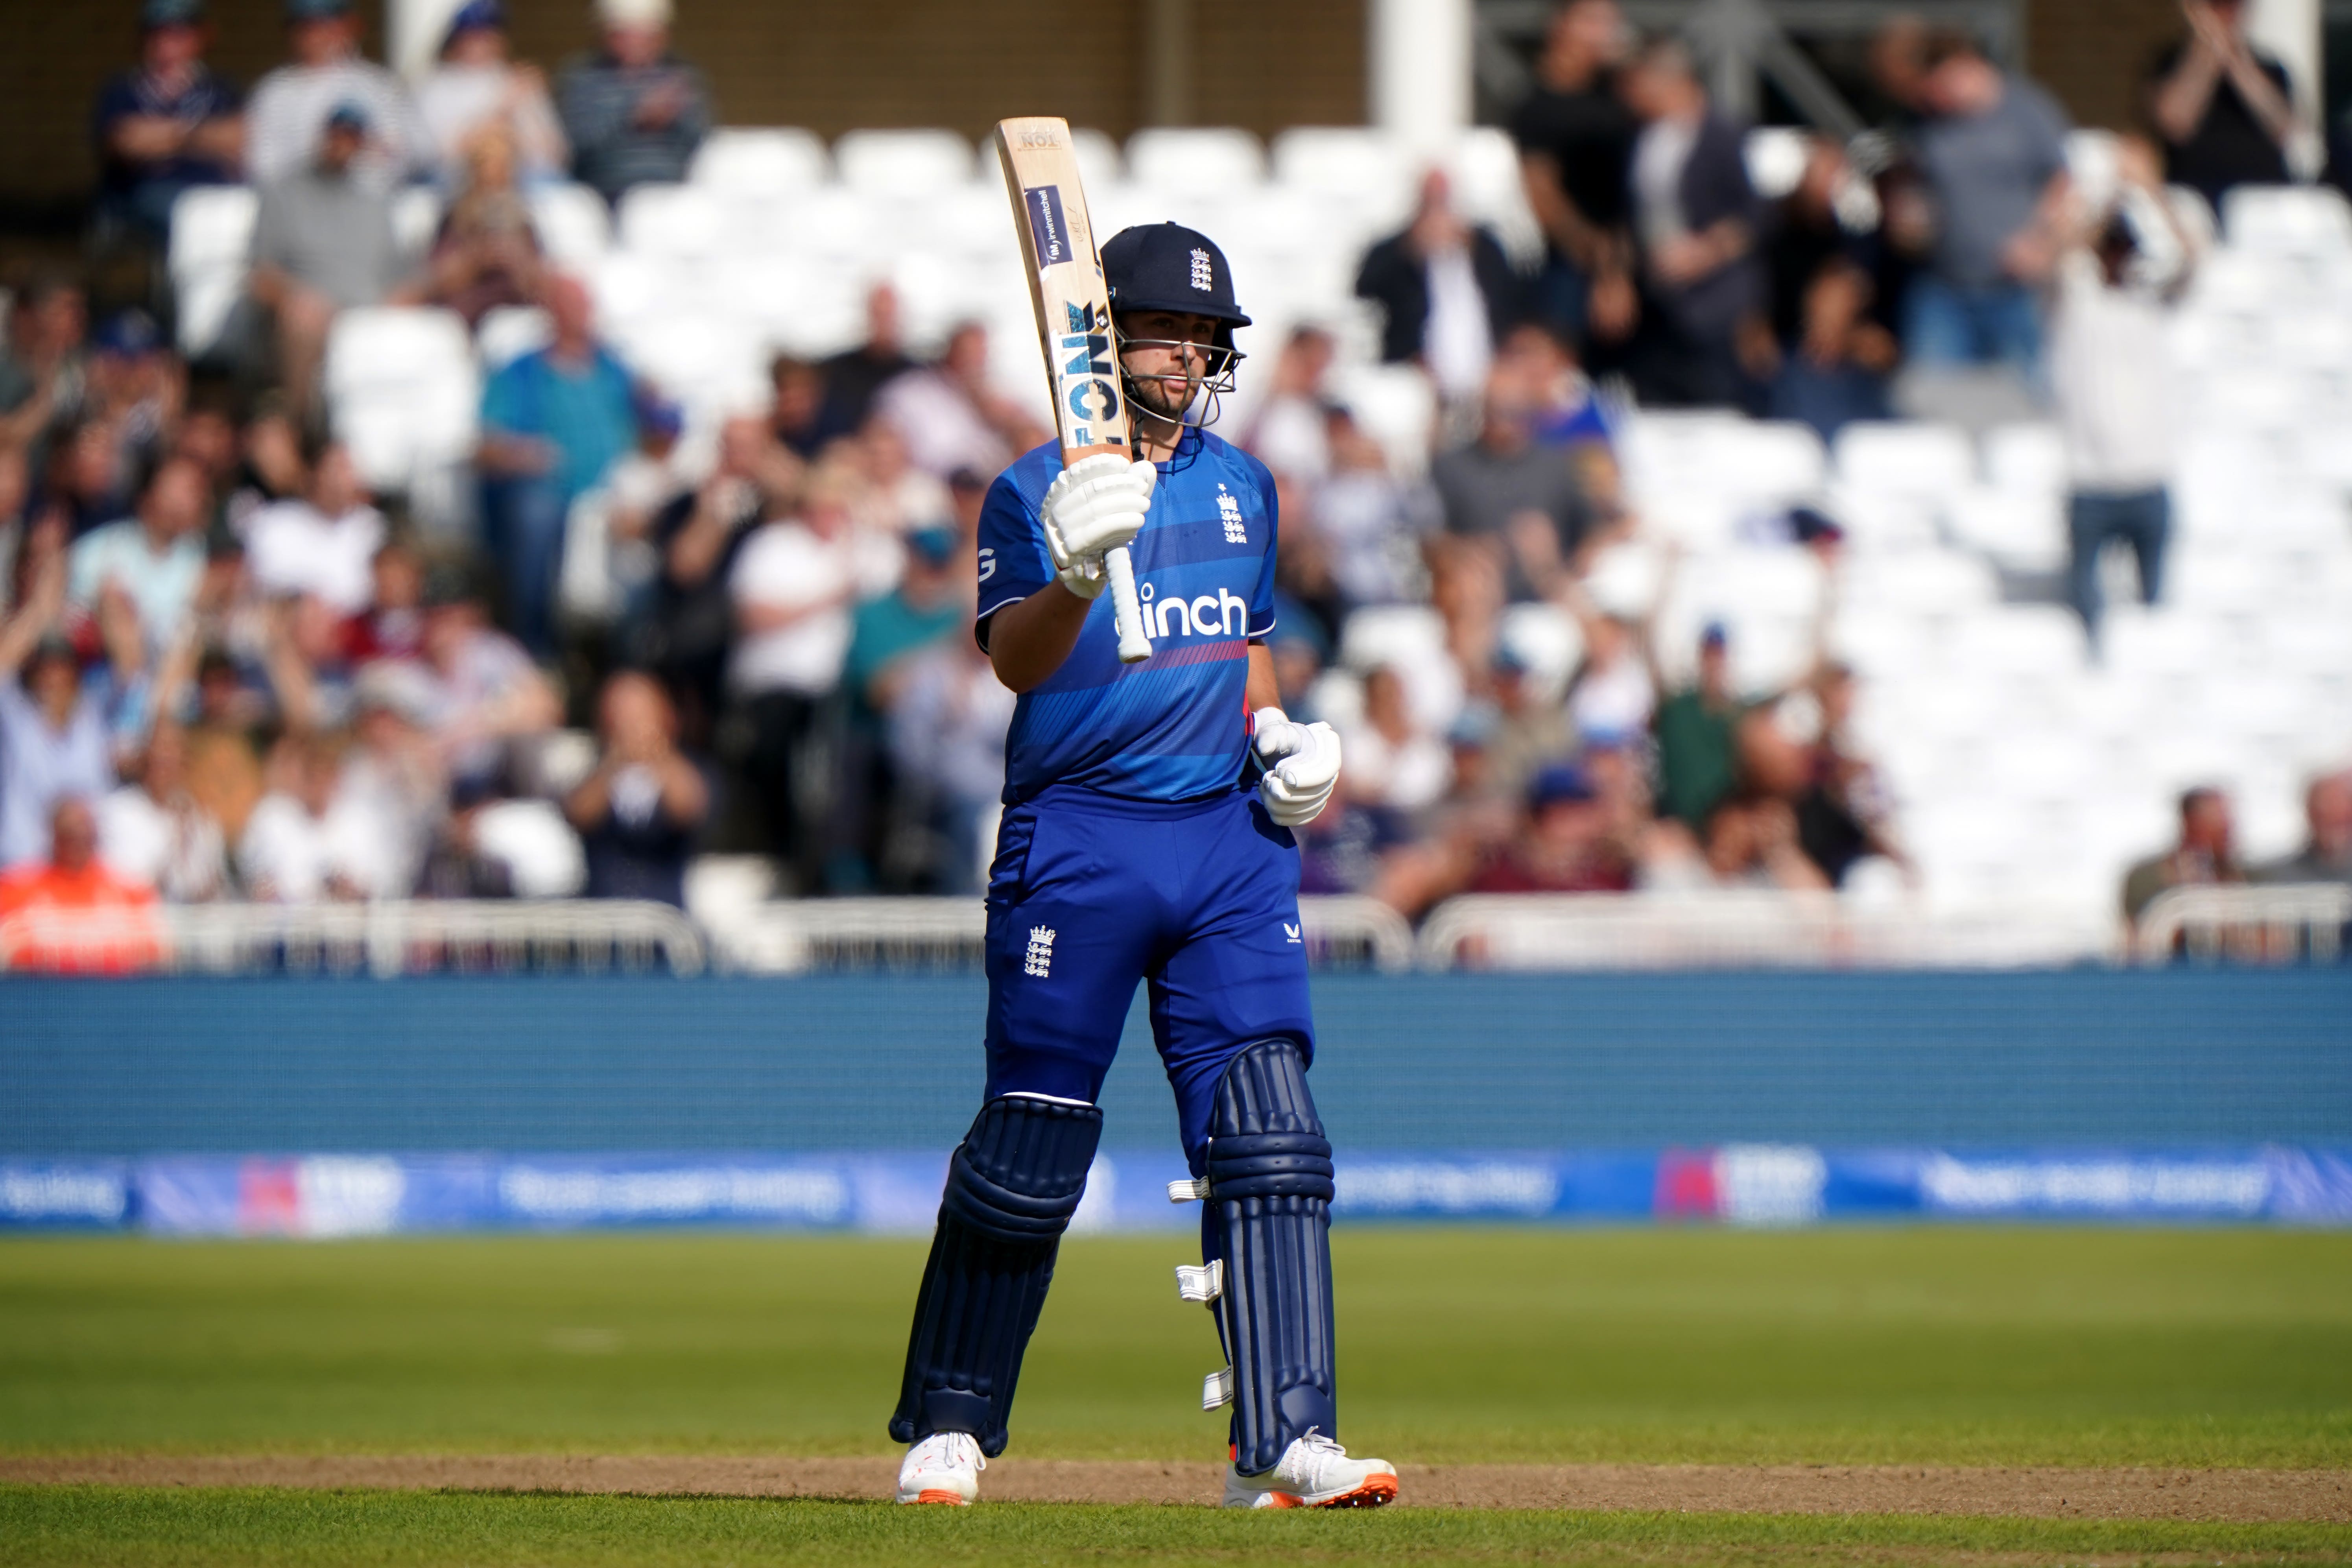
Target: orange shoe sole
pixel 941 1495
pixel 1378 1492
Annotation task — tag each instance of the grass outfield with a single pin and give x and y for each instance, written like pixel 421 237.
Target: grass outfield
pixel 1930 1345
pixel 103 1527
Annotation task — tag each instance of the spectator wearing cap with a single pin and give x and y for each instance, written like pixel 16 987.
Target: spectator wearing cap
pixel 65 912
pixel 476 88
pixel 1562 845
pixel 2224 107
pixel 322 543
pixel 53 731
pixel 1447 294
pixel 1697 729
pixel 1993 153
pixel 554 421
pixel 322 243
pixel 2203 857
pixel 2327 853
pixel 166 124
pixel 291 104
pixel 1694 225
pixel 2116 384
pixel 635 112
pixel 640 813
pixel 155 557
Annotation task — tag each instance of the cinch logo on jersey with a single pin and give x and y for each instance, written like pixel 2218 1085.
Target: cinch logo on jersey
pixel 1039 960
pixel 1217 614
pixel 1085 382
pixel 1229 511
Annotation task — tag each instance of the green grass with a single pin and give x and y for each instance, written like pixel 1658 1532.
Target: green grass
pixel 1956 1345
pixel 111 1526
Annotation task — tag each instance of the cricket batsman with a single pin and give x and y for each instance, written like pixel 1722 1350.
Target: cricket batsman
pixel 1146 836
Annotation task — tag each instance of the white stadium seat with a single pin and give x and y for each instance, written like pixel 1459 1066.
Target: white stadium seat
pixel 2025 459
pixel 1210 164
pixel 509 332
pixel 1362 170
pixel 406 395
pixel 1485 167
pixel 2288 220
pixel 574 224
pixel 212 238
pixel 416 219
pixel 761 164
pixel 675 223
pixel 1396 405
pixel 903 165
pixel 1902 459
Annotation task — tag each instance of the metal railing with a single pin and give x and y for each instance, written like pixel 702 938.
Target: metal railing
pixel 2288 923
pixel 1759 929
pixel 794 936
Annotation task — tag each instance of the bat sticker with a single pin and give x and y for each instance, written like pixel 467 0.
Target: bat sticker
pixel 1046 226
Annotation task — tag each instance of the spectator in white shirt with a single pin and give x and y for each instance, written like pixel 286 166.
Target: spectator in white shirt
pixel 1393 762
pixel 309 840
pixel 791 586
pixel 53 732
pixel 476 691
pixel 949 416
pixel 323 543
pixel 476 85
pixel 290 105
pixel 2112 371
pixel 156 833
pixel 155 558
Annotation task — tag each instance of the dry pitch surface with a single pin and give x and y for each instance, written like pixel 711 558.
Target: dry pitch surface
pixel 2240 1496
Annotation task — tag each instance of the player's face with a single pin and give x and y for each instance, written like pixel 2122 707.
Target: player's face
pixel 1168 354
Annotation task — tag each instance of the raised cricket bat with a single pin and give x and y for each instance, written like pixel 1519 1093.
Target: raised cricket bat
pixel 1066 285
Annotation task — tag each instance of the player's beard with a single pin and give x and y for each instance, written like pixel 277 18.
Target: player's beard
pixel 1166 399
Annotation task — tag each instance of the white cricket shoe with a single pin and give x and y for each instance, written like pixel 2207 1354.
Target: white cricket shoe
pixel 1314 1472
pixel 943 1468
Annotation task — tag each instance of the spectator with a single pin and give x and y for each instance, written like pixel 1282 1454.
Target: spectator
pixel 309 840
pixel 323 543
pixel 1613 695
pixel 392 625
pixel 1562 844
pixel 2114 374
pixel 1751 841
pixel 947 738
pixel 887 633
pixel 70 914
pixel 553 421
pixel 1532 730
pixel 1397 766
pixel 796 413
pixel 53 731
pixel 83 482
pixel 288 117
pixel 609 560
pixel 1286 428
pixel 639 812
pixel 1693 222
pixel 2202 857
pixel 1698 757
pixel 43 374
pixel 1994 158
pixel 270 467
pixel 1843 817
pixel 1373 521
pixel 322 243
pixel 2224 108
pixel 477 91
pixel 1576 140
pixel 1827 353
pixel 2327 854
pixel 487 254
pixel 792 587
pixel 855 376
pixel 166 125
pixel 478 692
pixel 156 557
pixel 1447 294
pixel 635 112
pixel 137 388
pixel 152 833
pixel 1505 476
pixel 948 415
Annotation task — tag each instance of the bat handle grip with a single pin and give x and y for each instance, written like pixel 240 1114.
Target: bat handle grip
pixel 1127 613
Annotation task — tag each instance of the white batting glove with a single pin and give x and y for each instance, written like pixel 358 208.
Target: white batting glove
pixel 1302 766
pixel 1093 507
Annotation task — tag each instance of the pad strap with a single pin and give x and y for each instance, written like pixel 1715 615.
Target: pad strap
pixel 1012 1185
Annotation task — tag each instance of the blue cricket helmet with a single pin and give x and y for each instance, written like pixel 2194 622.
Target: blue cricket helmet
pixel 1167 267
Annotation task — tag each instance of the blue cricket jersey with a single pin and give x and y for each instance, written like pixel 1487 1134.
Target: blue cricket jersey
pixel 1174 727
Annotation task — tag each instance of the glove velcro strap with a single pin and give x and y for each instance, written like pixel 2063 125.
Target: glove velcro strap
pixel 1270 1166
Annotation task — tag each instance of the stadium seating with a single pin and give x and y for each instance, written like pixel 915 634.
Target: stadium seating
pixel 2018 764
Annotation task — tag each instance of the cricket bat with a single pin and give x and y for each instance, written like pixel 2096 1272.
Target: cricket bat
pixel 1073 305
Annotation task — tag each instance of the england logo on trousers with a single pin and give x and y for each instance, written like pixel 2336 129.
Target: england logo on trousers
pixel 1039 960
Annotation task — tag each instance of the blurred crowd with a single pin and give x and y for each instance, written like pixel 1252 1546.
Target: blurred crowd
pixel 227 670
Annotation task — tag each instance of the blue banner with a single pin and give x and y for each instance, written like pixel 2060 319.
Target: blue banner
pixel 325 1195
